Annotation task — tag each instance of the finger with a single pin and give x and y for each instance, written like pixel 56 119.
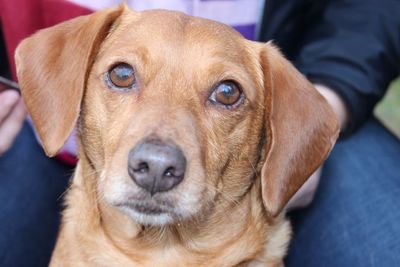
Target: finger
pixel 8 99
pixel 11 126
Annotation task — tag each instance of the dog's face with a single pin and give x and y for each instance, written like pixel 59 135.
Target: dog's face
pixel 193 86
pixel 176 113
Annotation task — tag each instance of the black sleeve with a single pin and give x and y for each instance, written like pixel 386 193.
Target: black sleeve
pixel 4 68
pixel 354 48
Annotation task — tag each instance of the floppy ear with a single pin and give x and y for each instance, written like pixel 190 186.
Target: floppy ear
pixel 301 129
pixel 52 67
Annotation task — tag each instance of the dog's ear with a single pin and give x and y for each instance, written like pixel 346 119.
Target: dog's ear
pixel 301 129
pixel 52 67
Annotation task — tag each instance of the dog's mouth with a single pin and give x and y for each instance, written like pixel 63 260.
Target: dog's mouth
pixel 145 208
pixel 149 212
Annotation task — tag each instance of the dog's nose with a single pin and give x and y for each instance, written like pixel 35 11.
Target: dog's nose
pixel 156 166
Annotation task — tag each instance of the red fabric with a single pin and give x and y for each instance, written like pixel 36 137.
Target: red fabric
pixel 68 159
pixel 21 18
pixel 56 11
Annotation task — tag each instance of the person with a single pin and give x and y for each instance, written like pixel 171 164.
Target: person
pixel 349 49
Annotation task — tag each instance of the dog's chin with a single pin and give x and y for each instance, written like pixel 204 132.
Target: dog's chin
pixel 149 215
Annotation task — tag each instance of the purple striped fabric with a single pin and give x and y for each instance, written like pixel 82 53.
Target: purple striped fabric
pixel 243 15
pixel 248 31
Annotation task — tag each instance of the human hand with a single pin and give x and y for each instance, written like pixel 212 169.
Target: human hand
pixel 306 193
pixel 12 115
pixel 337 104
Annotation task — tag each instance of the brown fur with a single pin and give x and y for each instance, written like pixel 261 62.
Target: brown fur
pixel 244 164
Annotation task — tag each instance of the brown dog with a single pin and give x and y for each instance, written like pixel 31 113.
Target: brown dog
pixel 192 138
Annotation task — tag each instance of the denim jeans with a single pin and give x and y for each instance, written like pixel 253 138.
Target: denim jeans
pixel 31 188
pixel 354 219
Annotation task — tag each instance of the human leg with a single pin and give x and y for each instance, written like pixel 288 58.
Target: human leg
pixel 31 186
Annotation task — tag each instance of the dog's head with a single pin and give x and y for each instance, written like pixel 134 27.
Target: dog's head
pixel 174 113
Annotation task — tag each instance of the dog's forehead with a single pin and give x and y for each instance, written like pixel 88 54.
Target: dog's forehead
pixel 170 31
pixel 179 25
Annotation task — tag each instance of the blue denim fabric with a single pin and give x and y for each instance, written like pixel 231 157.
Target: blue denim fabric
pixel 355 217
pixel 353 221
pixel 30 188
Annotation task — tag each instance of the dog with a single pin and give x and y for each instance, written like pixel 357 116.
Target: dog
pixel 192 138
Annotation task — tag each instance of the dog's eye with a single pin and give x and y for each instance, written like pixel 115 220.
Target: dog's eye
pixel 122 75
pixel 226 93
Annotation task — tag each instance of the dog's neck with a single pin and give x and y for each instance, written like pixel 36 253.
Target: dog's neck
pixel 232 229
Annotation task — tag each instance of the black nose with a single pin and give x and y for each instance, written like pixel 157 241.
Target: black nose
pixel 156 166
